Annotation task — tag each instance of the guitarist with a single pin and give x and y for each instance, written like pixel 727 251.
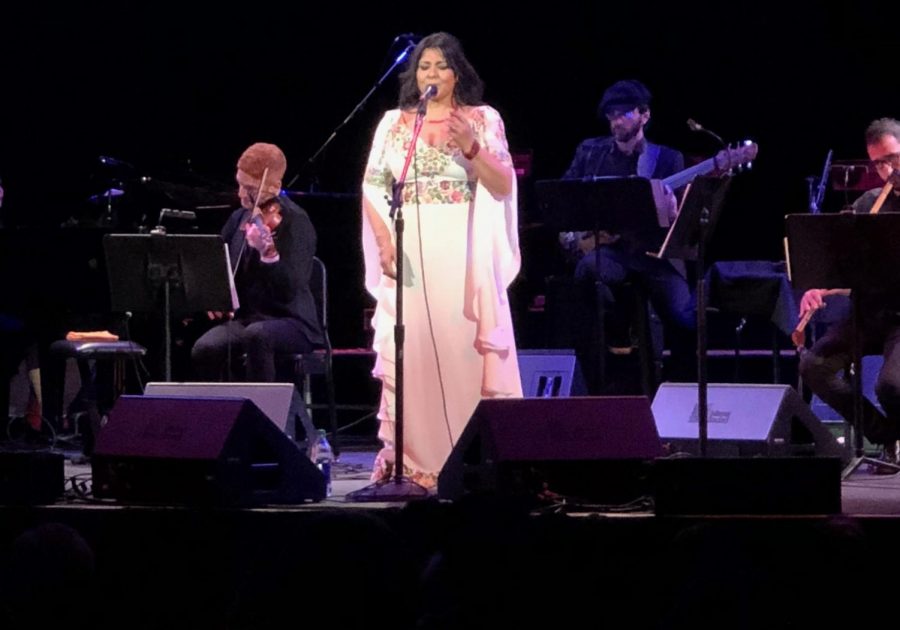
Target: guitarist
pixel 625 105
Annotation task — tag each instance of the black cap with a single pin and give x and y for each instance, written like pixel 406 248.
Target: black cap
pixel 623 95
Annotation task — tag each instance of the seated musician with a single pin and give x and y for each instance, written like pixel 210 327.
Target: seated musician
pixel 272 243
pixel 625 105
pixel 820 367
pixel 18 344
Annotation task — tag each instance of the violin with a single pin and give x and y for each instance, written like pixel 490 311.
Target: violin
pixel 266 217
pixel 798 336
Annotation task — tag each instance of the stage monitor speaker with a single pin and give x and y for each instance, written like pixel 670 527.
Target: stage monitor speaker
pixel 31 477
pixel 588 448
pixel 550 374
pixel 273 399
pixel 743 420
pixel 222 451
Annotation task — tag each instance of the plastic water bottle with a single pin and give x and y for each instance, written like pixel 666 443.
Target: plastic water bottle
pixel 324 457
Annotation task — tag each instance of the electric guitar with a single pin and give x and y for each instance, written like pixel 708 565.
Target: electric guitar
pixel 724 161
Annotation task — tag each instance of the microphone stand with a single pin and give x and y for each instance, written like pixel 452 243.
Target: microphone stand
pixel 400 488
pixel 815 202
pixel 698 128
pixel 403 54
pixel 702 377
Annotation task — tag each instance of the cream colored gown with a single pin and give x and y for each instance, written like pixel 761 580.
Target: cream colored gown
pixel 461 253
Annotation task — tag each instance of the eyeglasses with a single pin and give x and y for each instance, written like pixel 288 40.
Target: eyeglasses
pixel 890 160
pixel 618 113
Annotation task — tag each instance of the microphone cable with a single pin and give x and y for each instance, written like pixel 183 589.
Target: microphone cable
pixel 437 358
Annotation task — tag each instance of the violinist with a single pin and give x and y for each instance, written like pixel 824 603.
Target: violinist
pixel 879 328
pixel 271 244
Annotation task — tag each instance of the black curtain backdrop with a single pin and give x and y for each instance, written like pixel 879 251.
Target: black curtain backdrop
pixel 173 89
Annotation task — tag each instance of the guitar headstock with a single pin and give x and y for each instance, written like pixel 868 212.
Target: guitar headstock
pixel 739 156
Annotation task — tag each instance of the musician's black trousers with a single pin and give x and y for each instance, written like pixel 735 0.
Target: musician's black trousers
pixel 821 367
pixel 260 341
pixel 668 291
pixel 15 345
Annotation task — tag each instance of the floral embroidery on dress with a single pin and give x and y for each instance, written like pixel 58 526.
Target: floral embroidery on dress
pixel 432 162
pixel 439 191
pixel 379 177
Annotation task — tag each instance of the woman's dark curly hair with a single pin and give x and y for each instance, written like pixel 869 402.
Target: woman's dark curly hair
pixel 469 87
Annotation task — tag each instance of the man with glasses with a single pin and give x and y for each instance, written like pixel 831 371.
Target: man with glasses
pixel 625 106
pixel 883 147
pixel 824 365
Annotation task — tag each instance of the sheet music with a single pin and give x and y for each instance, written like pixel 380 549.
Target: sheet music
pixel 665 245
pixel 659 199
pixel 235 303
pixel 702 197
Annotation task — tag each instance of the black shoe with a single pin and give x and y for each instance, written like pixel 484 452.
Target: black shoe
pixel 619 340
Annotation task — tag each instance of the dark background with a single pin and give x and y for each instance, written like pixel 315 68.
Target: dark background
pixel 179 91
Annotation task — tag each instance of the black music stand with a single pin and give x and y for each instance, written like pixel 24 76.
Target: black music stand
pixel 622 205
pixel 683 240
pixel 173 273
pixel 848 251
pixel 687 240
pixel 616 204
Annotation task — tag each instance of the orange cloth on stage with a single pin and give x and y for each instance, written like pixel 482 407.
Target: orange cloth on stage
pixel 94 335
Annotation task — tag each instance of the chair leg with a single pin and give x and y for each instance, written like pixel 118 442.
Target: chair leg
pixel 738 347
pixel 300 409
pixel 332 407
pixel 776 357
pixel 307 393
pixel 646 351
pixel 89 377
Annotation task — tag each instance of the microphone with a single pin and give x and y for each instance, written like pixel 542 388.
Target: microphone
pixel 111 161
pixel 411 40
pixel 427 95
pixel 695 126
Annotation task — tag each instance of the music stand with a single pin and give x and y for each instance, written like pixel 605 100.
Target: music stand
pixel 615 204
pixel 178 273
pixel 847 251
pixel 683 240
pixel 687 240
pixel 622 205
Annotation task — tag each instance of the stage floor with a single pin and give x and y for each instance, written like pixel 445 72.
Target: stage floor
pixel 338 562
pixel 863 493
